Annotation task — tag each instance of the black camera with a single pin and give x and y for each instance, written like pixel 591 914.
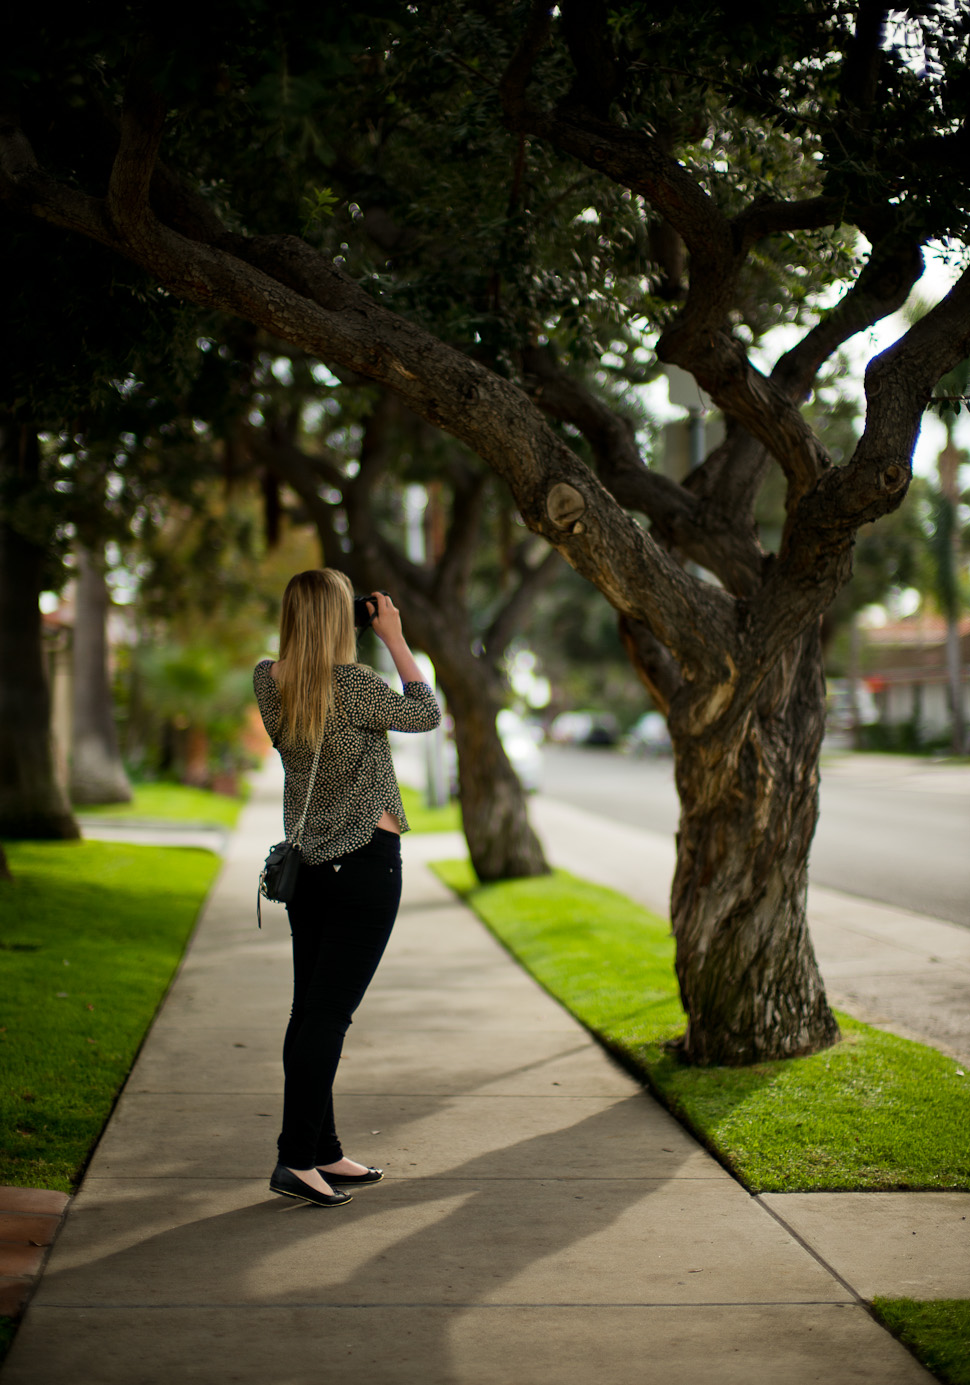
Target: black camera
pixel 365 609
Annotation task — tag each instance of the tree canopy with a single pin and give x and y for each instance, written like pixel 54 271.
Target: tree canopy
pixel 492 211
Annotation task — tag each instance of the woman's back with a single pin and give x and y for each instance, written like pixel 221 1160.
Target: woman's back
pixel 355 782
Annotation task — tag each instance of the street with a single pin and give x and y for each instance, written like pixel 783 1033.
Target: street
pixel 892 828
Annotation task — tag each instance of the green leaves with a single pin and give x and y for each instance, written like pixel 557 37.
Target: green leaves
pixel 318 206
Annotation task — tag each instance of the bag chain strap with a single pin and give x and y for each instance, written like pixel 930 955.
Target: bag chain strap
pixel 297 835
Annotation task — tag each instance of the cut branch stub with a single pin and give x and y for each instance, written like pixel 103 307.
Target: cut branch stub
pixel 564 506
pixel 895 477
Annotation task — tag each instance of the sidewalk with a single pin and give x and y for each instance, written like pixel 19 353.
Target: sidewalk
pixel 542 1220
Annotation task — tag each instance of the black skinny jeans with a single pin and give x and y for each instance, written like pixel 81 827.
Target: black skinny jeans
pixel 341 920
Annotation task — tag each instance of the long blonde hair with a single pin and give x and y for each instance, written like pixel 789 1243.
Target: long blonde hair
pixel 316 632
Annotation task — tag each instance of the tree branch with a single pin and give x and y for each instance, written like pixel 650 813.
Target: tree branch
pixel 636 160
pixel 816 560
pixel 610 435
pixel 516 76
pixel 454 566
pixel 599 76
pixel 720 365
pixel 142 120
pixel 705 533
pixel 651 662
pixel 696 340
pixel 281 284
pixel 880 290
pixel 772 217
pixel 302 474
pixel 860 72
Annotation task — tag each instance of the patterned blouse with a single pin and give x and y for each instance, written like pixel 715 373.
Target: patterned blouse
pixel 355 779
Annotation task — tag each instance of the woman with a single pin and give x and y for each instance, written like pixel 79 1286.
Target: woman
pixel 318 703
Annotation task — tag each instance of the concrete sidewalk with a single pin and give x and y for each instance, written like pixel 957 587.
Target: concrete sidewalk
pixel 542 1219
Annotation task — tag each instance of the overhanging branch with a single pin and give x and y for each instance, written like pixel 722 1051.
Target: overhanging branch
pixel 282 285
pixel 142 119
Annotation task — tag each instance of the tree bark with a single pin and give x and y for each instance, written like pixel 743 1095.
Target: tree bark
pixel 748 977
pixel 97 772
pixel 32 802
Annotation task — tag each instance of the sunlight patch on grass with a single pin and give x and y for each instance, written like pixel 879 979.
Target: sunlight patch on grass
pixel 873 1112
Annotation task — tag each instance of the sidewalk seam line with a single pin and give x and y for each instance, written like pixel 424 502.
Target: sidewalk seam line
pixel 423 1306
pixel 812 1252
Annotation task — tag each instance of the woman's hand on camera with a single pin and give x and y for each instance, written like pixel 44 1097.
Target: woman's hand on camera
pixel 386 622
pixel 387 626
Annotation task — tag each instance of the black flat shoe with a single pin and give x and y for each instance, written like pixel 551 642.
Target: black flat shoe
pixel 288 1184
pixel 371 1176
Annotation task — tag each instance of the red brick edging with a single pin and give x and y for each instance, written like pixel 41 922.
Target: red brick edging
pixel 29 1221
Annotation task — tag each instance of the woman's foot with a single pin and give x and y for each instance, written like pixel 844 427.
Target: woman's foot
pixel 307 1185
pixel 313 1177
pixel 349 1171
pixel 345 1166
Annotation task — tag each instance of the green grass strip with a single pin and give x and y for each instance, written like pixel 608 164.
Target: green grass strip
pixel 171 803
pixel 873 1112
pixel 424 819
pixel 937 1332
pixel 91 935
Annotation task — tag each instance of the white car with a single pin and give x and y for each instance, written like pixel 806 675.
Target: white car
pixel 584 728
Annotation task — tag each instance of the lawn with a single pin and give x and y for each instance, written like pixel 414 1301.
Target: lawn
pixel 91 935
pixel 873 1112
pixel 938 1332
pixel 423 819
pixel 171 803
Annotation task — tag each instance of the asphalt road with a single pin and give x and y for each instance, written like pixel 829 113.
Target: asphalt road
pixel 893 829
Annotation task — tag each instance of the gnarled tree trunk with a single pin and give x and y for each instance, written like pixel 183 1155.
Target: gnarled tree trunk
pixel 97 772
pixel 32 802
pixel 748 976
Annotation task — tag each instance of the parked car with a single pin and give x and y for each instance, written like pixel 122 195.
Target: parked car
pixel 584 728
pixel 648 736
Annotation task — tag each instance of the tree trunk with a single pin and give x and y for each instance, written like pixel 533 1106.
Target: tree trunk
pixel 97 772
pixel 501 842
pixel 32 802
pixel 4 868
pixel 748 976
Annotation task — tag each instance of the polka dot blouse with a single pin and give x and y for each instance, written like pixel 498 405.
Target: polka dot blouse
pixel 355 779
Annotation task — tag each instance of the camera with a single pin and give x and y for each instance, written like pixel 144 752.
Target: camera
pixel 365 609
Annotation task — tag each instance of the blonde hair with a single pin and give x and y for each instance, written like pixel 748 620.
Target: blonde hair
pixel 316 632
